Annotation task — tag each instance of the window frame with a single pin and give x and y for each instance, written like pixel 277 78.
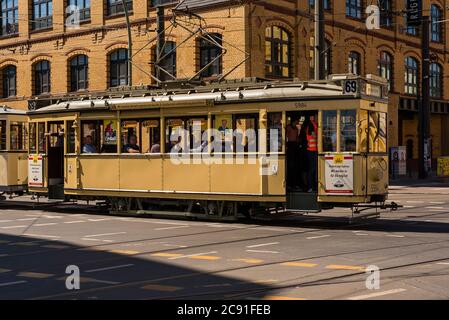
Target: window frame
pixel 436 30
pixel 355 57
pixel 9 79
pixel 212 51
pixel 42 77
pixel 354 9
pixel 411 88
pixel 39 20
pixel 76 70
pixel 278 45
pixel 115 7
pixel 117 64
pixel 5 15
pixel 385 65
pixel 436 80
pixel 84 9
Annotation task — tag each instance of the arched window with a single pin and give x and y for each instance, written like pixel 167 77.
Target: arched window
pixel 411 76
pixel 42 77
pixel 436 30
pixel 354 63
pixel 118 68
pixel 79 73
pixel 277 52
pixel 385 68
pixel 211 52
pixel 327 59
pixel 9 75
pixel 168 61
pixel 435 80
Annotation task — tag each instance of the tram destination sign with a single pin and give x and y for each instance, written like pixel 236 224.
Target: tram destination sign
pixel 414 12
pixel 339 175
pixel 35 171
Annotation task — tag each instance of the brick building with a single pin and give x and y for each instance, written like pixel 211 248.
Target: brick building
pixel 42 57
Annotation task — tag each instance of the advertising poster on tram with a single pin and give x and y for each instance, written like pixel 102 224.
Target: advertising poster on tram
pixel 223 124
pixel 110 132
pixel 35 171
pixel 339 174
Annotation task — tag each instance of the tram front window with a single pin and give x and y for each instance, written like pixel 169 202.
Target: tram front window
pixel 131 137
pixel 42 144
pixel 348 135
pixel 329 125
pixel 33 142
pixel 2 134
pixel 377 132
pixel 71 134
pixel 18 136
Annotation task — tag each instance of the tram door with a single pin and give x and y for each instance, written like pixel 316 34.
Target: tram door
pixel 55 158
pixel 302 160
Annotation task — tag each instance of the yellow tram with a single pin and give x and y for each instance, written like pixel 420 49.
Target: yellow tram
pixel 13 151
pixel 159 151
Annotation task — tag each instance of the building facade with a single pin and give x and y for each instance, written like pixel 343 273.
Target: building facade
pixel 45 55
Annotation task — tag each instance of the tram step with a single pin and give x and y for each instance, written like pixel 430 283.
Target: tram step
pixel 303 201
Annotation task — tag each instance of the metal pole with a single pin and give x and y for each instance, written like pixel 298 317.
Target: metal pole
pixel 424 105
pixel 160 38
pixel 319 39
pixel 130 44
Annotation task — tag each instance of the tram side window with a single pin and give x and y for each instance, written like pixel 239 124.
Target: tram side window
pixel 151 136
pixel 362 129
pixel 56 135
pixel 71 134
pixel 377 132
pixel 18 136
pixel 185 135
pixel 348 130
pixel 246 134
pixel 274 134
pixel 33 142
pixel 2 134
pixel 329 131
pixel 131 136
pixel 99 136
pixel 42 143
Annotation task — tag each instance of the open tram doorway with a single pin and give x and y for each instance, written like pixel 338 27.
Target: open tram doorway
pixel 301 143
pixel 55 158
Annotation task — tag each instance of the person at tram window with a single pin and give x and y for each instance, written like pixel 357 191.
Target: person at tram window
pixel 88 146
pixel 132 146
pixel 293 160
pixel 312 154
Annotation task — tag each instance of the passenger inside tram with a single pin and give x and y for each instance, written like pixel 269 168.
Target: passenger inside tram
pixel 88 146
pixel 132 146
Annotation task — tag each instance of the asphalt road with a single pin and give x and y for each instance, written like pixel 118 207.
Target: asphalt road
pixel 300 257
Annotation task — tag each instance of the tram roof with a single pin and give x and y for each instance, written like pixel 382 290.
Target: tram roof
pixel 223 93
pixel 4 110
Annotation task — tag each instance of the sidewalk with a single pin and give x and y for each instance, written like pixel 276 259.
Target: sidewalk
pixel 414 181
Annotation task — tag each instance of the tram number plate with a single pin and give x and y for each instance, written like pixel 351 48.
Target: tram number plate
pixel 350 87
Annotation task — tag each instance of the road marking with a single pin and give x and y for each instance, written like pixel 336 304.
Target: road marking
pixel 166 255
pixel 262 245
pixel 35 275
pixel 377 294
pixel 415 201
pixel 443 263
pixel 252 261
pixel 343 267
pixel 98 240
pixel 12 283
pixel 110 268
pixel 125 252
pixel 161 288
pixel 97 220
pixel 173 245
pixel 87 280
pixel 170 228
pixel 205 258
pixel 261 251
pixel 281 298
pixel 270 229
pixel 71 222
pixel 41 236
pixel 395 236
pixel 26 219
pixel 4 270
pixel 2 221
pixel 192 255
pixel 318 237
pixel 299 264
pixel 409 207
pixel 44 224
pixel 436 202
pixel 103 234
pixel 218 285
pixel 55 246
pixel 53 217
pixel 362 234
pixel 435 208
pixel 14 227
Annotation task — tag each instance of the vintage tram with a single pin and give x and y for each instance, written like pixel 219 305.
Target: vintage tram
pixel 120 148
pixel 13 151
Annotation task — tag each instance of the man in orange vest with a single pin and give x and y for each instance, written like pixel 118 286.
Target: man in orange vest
pixel 312 154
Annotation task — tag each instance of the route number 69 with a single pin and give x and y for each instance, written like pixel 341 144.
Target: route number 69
pixel 350 87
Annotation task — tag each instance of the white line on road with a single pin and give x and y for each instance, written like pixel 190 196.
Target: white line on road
pixel 436 202
pixel 110 268
pixel 12 283
pixel 443 263
pixel 362 234
pixel 415 201
pixel 103 234
pixel 409 207
pixel 261 251
pixel 41 236
pixel 318 237
pixel 192 255
pixel 98 240
pixel 436 208
pixel 14 227
pixel 377 294
pixel 26 219
pixel 2 221
pixel 262 245
pixel 395 236
pixel 44 224
pixel 97 220
pixel 71 222
pixel 170 228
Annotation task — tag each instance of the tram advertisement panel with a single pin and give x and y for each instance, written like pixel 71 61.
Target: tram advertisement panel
pixel 110 132
pixel 35 171
pixel 339 174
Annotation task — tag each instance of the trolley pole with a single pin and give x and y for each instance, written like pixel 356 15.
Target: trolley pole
pixel 130 44
pixel 160 37
pixel 424 103
pixel 319 39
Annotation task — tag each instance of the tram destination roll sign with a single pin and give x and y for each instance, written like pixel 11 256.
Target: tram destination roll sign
pixel 35 171
pixel 339 174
